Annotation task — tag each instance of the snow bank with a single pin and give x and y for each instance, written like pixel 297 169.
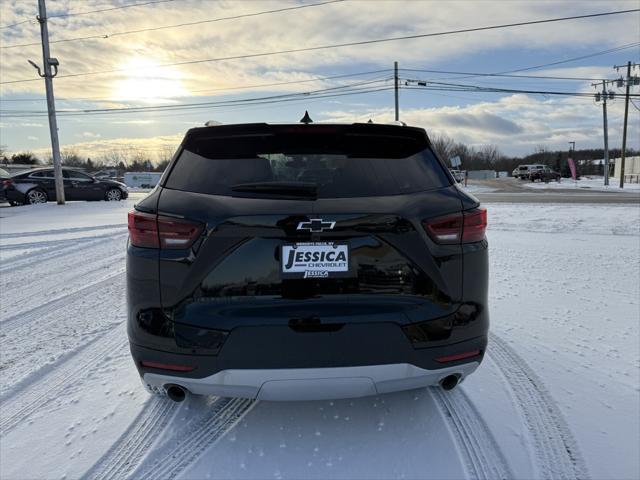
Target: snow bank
pixel 586 183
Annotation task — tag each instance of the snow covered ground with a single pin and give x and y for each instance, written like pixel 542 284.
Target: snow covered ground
pixel 594 184
pixel 558 395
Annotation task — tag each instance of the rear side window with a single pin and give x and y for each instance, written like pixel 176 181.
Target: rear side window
pixel 337 165
pixel 44 174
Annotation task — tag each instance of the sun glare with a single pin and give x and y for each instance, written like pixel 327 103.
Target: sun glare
pixel 147 83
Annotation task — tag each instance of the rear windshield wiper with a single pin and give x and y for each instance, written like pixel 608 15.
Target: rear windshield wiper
pixel 288 189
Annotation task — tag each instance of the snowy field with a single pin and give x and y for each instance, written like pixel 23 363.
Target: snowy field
pixel 558 395
pixel 591 183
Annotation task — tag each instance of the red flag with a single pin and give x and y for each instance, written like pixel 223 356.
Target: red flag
pixel 572 167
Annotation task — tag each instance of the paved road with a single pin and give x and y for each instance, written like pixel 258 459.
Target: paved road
pixel 558 197
pixel 509 190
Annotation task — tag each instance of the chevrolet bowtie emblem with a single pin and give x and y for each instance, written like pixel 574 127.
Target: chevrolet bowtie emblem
pixel 316 225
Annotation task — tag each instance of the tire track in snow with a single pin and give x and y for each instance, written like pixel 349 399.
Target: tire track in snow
pixel 555 449
pixel 55 250
pixel 32 342
pixel 50 282
pixel 128 451
pixel 61 231
pixel 50 387
pixel 176 456
pixel 40 311
pixel 481 454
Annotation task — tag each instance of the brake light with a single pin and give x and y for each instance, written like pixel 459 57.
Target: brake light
pixel 475 225
pixel 150 230
pixel 168 366
pixel 177 233
pixel 458 356
pixel 465 227
pixel 7 182
pixel 143 229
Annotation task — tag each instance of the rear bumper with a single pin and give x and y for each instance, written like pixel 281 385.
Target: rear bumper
pixel 310 383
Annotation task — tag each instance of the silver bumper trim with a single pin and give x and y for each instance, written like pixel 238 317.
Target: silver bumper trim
pixel 310 383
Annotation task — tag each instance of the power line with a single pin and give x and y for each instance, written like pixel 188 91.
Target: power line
pixel 16 24
pixel 241 87
pixel 475 74
pixel 341 45
pixel 182 105
pixel 323 93
pixel 575 59
pixel 200 22
pixel 472 88
pixel 333 95
pixel 72 14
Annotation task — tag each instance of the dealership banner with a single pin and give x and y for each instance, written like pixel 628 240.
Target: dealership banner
pixel 572 167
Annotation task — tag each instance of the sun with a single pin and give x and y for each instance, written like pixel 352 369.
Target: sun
pixel 145 82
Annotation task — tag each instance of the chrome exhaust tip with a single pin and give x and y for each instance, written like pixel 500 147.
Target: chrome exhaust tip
pixel 450 382
pixel 176 392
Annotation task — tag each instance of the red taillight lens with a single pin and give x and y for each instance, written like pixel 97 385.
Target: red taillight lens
pixel 149 230
pixel 445 230
pixel 143 229
pixel 458 356
pixel 177 233
pixel 465 227
pixel 475 225
pixel 168 366
pixel 7 182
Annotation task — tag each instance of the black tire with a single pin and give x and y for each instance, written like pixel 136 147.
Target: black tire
pixel 36 195
pixel 113 195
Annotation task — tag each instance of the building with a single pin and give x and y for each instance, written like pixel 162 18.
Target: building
pixel 631 169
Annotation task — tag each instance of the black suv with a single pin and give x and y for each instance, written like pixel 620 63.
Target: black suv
pixel 38 186
pixel 544 175
pixel 306 261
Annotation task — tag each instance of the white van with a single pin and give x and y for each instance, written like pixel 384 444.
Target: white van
pixel 522 172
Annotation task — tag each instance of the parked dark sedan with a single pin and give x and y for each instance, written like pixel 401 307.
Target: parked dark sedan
pixel 292 262
pixel 38 186
pixel 4 175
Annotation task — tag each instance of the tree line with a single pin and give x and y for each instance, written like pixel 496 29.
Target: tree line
pixel 123 160
pixel 487 157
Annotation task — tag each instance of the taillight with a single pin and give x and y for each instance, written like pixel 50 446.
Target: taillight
pixel 143 229
pixel 167 366
pixel 7 182
pixel 475 225
pixel 464 227
pixel 458 356
pixel 177 233
pixel 150 230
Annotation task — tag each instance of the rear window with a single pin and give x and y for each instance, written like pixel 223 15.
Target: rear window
pixel 335 164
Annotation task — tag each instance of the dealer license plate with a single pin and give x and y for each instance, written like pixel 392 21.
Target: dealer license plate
pixel 315 260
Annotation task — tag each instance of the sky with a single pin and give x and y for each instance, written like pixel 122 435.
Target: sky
pixel 125 73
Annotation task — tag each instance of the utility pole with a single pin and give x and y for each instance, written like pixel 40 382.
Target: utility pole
pixel 603 96
pixel 396 86
pixel 624 130
pixel 49 62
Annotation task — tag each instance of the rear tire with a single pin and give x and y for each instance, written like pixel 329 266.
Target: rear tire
pixel 35 196
pixel 113 195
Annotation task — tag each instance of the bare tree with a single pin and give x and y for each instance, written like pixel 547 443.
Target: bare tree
pixel 71 158
pixel 443 146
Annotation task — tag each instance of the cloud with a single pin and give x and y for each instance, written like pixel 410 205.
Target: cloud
pixel 89 135
pixel 154 147
pixel 516 124
pixel 323 25
pixel 32 138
